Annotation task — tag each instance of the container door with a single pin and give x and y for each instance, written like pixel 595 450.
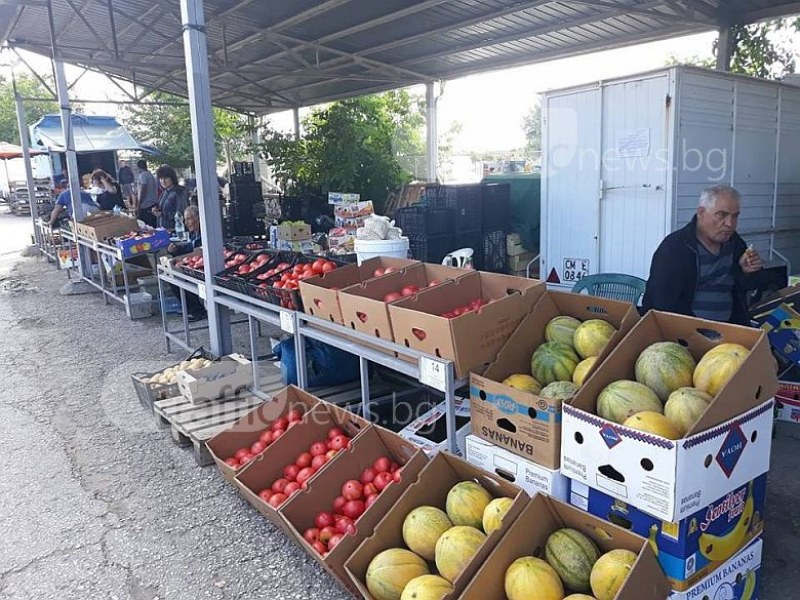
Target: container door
pixel 634 205
pixel 570 186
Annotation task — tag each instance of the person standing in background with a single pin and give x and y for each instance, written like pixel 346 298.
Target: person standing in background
pixel 125 178
pixel 147 195
pixel 172 200
pixel 111 194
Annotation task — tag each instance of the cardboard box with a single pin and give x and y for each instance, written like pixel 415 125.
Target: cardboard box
pixel 143 242
pixel 541 517
pixel 525 423
pixel 727 447
pixel 354 210
pixel 430 489
pixel 343 198
pixel 321 294
pixel 304 246
pixel 230 376
pixel 787 402
pixel 737 579
pixel 363 308
pixel 473 339
pixel 244 432
pixel 528 475
pixel 104 225
pixel 514 244
pixel 294 231
pixel 788 295
pixel 782 325
pixel 681 546
pixel 301 509
pixel 519 262
pixel 429 431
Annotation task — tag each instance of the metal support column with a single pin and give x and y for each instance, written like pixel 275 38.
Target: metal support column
pixel 196 51
pixel 724 49
pixel 432 132
pixel 25 143
pixel 296 115
pixel 255 139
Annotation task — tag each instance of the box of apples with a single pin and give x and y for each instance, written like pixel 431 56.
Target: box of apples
pixel 233 448
pixel 294 459
pixel 344 503
pixel 237 273
pixel 193 265
pixel 467 319
pixel 365 306
pixel 320 294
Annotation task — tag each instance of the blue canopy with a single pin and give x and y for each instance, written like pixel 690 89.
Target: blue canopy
pixel 92 134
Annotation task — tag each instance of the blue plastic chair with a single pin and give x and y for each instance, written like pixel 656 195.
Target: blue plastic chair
pixel 614 286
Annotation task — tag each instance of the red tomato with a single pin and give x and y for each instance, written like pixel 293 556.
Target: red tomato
pixel 382 480
pixel 277 433
pixel 290 472
pixel 393 467
pixel 344 524
pixel 258 447
pixel 434 282
pixel 304 460
pixel 367 476
pixel 311 535
pixel 392 296
pixel 232 462
pixel 334 431
pixel 292 424
pixel 354 509
pixel 370 489
pixel 326 533
pixel 328 267
pixel 382 464
pixel 323 519
pixel 305 474
pixel 318 448
pixel 266 436
pixel 277 500
pixel 318 265
pixel 370 500
pixel 397 477
pixel 294 415
pixel 318 461
pixel 240 453
pixel 291 488
pixel 282 266
pixel 332 543
pixel 340 442
pixel 246 459
pixel 352 490
pixel 266 494
pixel 291 285
pixel 280 423
pixel 338 503
pixel 388 270
pixel 320 547
pixel 330 454
pixel 279 485
pixel 409 290
pixel 378 272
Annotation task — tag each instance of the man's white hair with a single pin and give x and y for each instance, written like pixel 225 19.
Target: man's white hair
pixel 709 197
pixel 192 211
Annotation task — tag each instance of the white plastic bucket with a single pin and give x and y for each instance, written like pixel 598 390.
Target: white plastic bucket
pixel 366 249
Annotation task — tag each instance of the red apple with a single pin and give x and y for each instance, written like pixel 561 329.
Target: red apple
pixel 352 490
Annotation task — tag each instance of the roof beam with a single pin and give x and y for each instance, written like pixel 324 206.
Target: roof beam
pixel 680 17
pixel 85 21
pixel 788 8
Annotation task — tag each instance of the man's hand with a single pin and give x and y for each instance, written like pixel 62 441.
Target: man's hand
pixel 751 261
pixel 171 248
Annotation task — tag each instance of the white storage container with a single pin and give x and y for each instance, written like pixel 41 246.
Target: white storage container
pixel 366 249
pixel 139 305
pixel 625 160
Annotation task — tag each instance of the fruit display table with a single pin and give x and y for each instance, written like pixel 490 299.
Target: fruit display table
pixel 48 240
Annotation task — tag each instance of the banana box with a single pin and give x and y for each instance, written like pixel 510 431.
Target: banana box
pixel 737 579
pixel 783 328
pixel 787 402
pixel 697 545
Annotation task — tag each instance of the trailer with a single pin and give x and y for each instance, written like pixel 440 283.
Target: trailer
pixel 625 162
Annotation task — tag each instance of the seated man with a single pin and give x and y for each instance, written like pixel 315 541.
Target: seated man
pixel 191 218
pixel 64 203
pixel 705 269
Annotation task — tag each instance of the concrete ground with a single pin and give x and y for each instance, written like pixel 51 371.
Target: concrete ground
pixel 97 503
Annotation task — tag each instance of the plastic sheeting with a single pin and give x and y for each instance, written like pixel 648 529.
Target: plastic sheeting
pixel 92 134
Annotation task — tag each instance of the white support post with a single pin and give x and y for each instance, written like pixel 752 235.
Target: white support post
pixel 196 51
pixel 296 115
pixel 431 114
pixel 24 142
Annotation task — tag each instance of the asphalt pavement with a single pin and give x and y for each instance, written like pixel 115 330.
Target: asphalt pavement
pixel 97 503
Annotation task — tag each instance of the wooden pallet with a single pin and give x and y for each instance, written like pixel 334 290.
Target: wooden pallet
pixel 194 424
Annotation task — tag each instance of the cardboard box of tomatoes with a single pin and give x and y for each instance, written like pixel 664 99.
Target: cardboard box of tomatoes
pixel 282 288
pixel 342 505
pixel 365 305
pixel 321 294
pixel 272 477
pixel 520 421
pixel 444 476
pixel 466 320
pixel 233 448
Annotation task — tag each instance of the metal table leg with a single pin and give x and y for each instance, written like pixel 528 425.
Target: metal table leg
pixel 450 408
pixel 363 364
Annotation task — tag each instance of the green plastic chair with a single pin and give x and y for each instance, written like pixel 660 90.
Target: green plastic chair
pixel 614 286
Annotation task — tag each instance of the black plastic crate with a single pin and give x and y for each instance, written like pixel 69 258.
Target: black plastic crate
pixel 285 298
pixel 493 252
pixel 496 206
pixel 463 200
pixel 424 220
pixel 431 248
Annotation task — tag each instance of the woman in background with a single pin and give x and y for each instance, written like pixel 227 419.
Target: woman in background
pixel 111 192
pixel 172 200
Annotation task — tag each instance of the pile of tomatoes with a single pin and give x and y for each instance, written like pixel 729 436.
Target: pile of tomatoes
pixel 296 474
pixel 290 280
pixel 357 495
pixel 408 290
pixel 473 306
pixel 244 455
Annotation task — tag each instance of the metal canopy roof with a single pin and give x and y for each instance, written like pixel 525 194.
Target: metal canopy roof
pixel 270 55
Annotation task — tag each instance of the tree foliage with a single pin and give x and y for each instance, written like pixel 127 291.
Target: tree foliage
pixel 29 87
pixel 168 128
pixel 532 126
pixel 348 146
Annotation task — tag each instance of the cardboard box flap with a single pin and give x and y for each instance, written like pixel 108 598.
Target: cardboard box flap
pixel 754 383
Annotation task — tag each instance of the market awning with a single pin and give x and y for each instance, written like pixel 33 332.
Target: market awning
pixel 92 134
pixel 270 56
pixel 11 151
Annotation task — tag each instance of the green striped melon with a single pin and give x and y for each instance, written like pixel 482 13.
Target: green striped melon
pixel 562 329
pixel 717 366
pixel 391 570
pixel 466 502
pixel 572 555
pixel 559 390
pixel 527 576
pixel 622 399
pixel 553 361
pixel 422 528
pixel 456 549
pixel 665 367
pixel 610 572
pixel 592 337
pixel 685 406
